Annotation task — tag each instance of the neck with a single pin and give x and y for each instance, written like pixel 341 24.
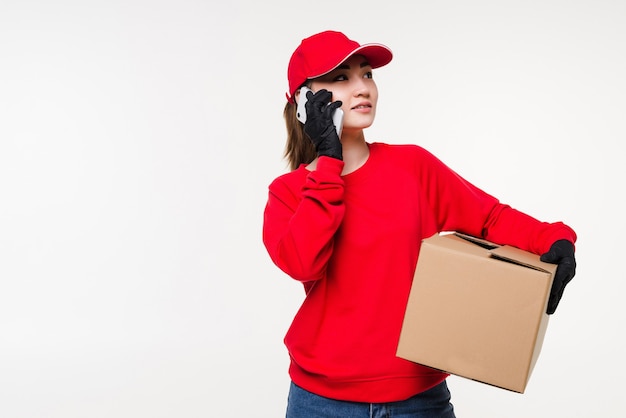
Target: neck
pixel 355 151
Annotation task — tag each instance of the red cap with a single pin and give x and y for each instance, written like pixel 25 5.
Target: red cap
pixel 323 52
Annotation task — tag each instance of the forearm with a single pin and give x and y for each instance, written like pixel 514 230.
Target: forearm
pixel 506 225
pixel 299 230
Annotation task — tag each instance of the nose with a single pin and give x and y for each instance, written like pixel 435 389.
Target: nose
pixel 361 89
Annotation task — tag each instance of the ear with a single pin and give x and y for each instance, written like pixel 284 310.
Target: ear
pixel 296 96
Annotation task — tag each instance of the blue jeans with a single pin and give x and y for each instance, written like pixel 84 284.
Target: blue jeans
pixel 433 403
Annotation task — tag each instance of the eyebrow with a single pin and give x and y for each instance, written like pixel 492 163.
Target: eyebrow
pixel 347 67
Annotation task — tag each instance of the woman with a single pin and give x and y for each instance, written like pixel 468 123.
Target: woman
pixel 348 221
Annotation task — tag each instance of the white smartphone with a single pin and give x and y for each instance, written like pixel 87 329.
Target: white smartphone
pixel 301 111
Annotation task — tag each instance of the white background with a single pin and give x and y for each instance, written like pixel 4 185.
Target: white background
pixel 137 141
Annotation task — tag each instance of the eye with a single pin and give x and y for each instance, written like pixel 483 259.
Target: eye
pixel 368 75
pixel 340 77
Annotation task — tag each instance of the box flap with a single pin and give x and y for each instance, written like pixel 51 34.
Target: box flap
pixel 521 257
pixel 458 243
pixel 478 241
pixel 510 254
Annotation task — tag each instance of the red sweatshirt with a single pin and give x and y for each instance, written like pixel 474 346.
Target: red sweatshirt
pixel 353 241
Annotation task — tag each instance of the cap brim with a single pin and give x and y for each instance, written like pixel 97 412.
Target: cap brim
pixel 378 55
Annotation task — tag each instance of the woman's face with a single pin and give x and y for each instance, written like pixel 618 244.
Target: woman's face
pixel 352 83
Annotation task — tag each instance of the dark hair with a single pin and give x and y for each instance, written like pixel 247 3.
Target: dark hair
pixel 299 148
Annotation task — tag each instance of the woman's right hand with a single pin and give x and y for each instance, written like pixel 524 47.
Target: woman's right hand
pixel 319 123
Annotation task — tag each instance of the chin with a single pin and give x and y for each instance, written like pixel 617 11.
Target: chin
pixel 354 128
pixel 359 126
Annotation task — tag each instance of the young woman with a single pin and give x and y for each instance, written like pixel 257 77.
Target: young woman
pixel 348 221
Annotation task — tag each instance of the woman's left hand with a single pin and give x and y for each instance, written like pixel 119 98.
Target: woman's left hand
pixel 561 253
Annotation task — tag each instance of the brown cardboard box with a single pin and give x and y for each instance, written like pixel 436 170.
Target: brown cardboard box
pixel 477 310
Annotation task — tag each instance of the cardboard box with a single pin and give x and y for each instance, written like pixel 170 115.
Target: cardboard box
pixel 477 310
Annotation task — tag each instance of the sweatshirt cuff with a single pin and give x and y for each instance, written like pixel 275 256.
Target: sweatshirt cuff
pixel 329 165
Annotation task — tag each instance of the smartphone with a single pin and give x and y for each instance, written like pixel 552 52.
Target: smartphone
pixel 301 111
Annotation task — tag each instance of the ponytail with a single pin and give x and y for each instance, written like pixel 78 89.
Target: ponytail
pixel 299 148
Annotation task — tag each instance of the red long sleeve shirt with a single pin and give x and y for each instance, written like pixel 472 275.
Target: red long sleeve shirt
pixel 353 241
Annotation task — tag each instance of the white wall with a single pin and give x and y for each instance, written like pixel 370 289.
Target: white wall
pixel 137 140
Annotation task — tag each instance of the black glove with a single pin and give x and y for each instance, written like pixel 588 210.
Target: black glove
pixel 319 123
pixel 561 253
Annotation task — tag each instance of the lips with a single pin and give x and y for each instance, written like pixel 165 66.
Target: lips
pixel 364 105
